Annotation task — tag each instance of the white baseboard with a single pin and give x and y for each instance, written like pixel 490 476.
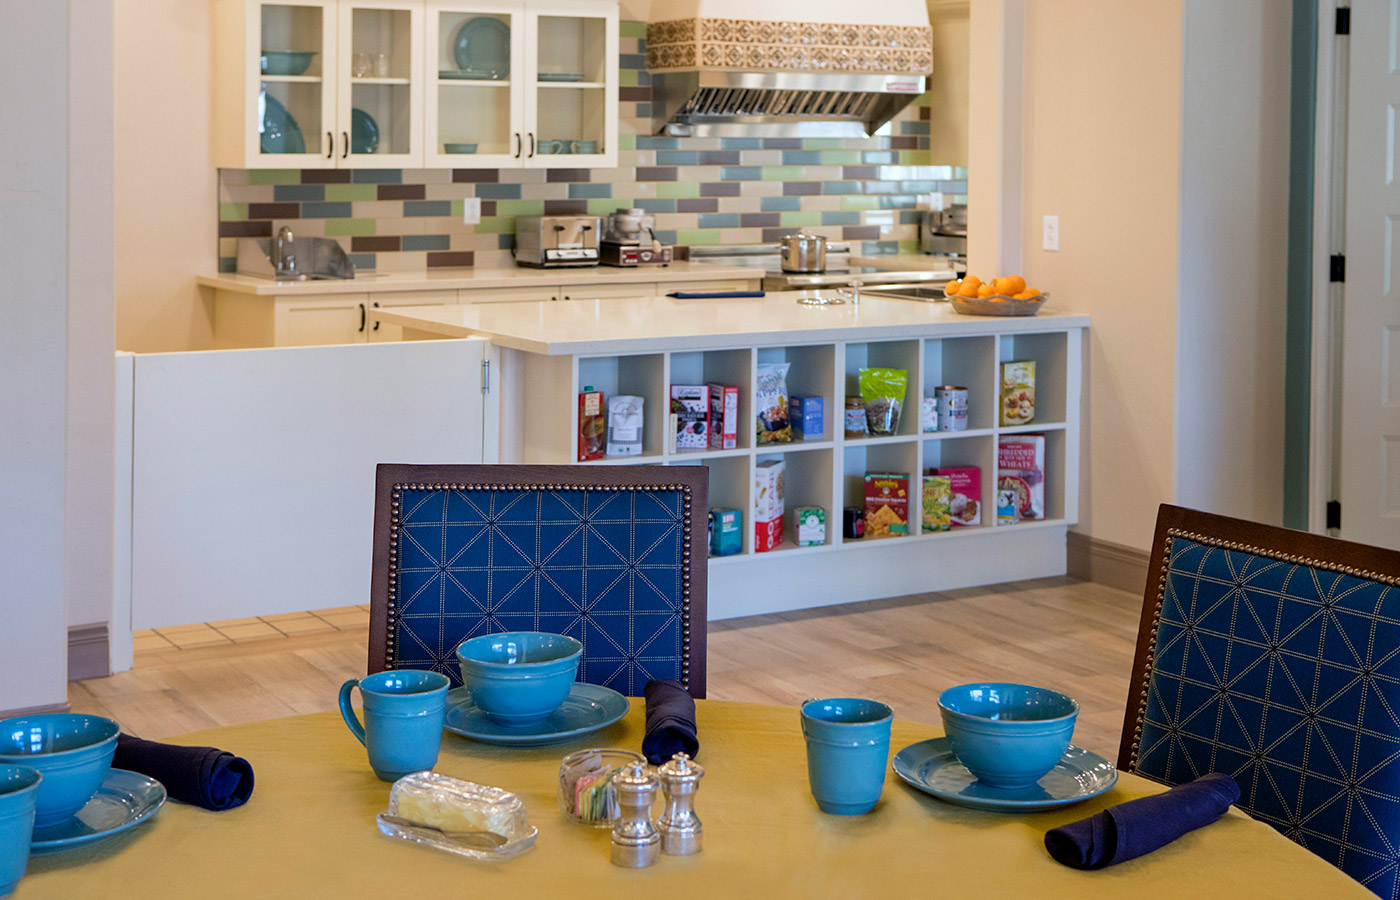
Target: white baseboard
pixel 35 710
pixel 1107 563
pixel 88 654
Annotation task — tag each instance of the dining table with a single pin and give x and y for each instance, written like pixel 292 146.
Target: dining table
pixel 309 831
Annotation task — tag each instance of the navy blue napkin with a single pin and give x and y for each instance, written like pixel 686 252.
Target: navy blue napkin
pixel 670 721
pixel 1131 829
pixel 204 776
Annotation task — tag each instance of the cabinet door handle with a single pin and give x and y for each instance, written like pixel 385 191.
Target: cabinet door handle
pixel 519 145
pixel 362 317
pixel 566 296
pixel 345 138
pixel 330 145
pixel 532 145
pixel 376 321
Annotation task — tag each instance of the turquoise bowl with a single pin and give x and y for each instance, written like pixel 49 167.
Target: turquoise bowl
pixel 18 787
pixel 71 750
pixel 1007 735
pixel 519 677
pixel 285 62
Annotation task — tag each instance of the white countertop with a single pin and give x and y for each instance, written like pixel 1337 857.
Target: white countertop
pixel 480 277
pixel 902 262
pixel 646 324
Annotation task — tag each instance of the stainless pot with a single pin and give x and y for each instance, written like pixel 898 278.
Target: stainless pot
pixel 803 253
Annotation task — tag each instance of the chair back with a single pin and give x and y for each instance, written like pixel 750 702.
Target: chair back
pixel 614 556
pixel 1273 655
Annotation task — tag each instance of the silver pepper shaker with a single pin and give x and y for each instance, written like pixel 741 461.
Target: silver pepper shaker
pixel 635 843
pixel 679 826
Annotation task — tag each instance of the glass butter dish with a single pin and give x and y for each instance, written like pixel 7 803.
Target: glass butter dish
pixel 444 804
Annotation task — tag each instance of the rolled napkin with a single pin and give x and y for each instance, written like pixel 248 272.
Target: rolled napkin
pixel 204 776
pixel 1131 829
pixel 670 721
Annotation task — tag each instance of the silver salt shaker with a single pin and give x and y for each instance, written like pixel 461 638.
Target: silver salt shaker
pixel 679 826
pixel 635 843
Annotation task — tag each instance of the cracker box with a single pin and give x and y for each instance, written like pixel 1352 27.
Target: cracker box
pixel 1018 393
pixel 768 493
pixel 690 404
pixel 810 524
pixel 724 416
pixel 965 485
pixel 1021 468
pixel 807 416
pixel 726 531
pixel 591 421
pixel 937 503
pixel 886 505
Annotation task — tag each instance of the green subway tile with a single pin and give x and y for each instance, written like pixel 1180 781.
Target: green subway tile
pixel 602 206
pixel 824 144
pixel 627 77
pixel 233 212
pixel 924 99
pixel 458 209
pixel 913 157
pixel 274 176
pixel 513 208
pixel 627 142
pixel 495 224
pixel 698 236
pixel 351 192
pixel 782 173
pixel 677 189
pixel 632 28
pixel 910 247
pixel 800 219
pixel 858 201
pixel 840 157
pixel 340 227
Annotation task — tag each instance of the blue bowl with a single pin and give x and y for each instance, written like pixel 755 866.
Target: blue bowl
pixel 18 786
pixel 285 62
pixel 519 677
pixel 1007 735
pixel 71 750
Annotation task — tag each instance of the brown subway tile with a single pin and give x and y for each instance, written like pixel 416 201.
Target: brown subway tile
pixel 719 157
pixel 925 113
pixel 759 220
pixel 476 176
pixel 374 243
pixel 451 258
pixel 858 173
pixel 697 205
pixel 565 207
pixel 860 233
pixel 775 234
pixel 570 176
pixel 325 176
pixel 401 192
pixel 722 189
pixel 488 208
pixel 782 143
pixel 245 229
pixel 656 173
pixel 904 142
pixel 274 210
pixel 634 94
pixel 801 188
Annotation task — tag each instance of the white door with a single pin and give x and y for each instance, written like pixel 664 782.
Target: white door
pixel 379 95
pixel 1370 442
pixel 571 81
pixel 252 471
pixel 474 110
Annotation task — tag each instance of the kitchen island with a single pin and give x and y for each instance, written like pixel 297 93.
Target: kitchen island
pixel 549 352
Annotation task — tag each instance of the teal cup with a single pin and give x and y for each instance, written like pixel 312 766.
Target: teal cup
pixel 583 146
pixel 404 712
pixel 848 749
pixel 19 786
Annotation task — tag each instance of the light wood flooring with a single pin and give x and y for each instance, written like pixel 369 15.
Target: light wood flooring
pixel 1071 635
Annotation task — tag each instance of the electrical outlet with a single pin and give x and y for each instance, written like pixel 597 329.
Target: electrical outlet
pixel 471 210
pixel 1050 239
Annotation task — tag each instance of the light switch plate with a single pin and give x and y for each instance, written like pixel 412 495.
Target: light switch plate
pixel 1051 237
pixel 471 210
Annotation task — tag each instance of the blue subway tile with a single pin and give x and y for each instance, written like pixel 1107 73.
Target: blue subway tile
pixel 651 142
pixel 953 187
pixel 643 78
pixel 841 187
pixel 657 206
pixel 336 210
pixel 913 128
pixel 898 201
pixel 487 191
pixel 780 204
pixel 362 260
pixel 740 144
pixel 379 176
pixel 879 157
pixel 719 220
pixel 632 60
pixel 427 207
pixel 917 187
pixel 644 110
pixel 585 191
pixel 228 264
pixel 741 173
pixel 802 157
pixel 843 217
pixel 505 241
pixel 665 235
pixel 677 158
pixel 910 216
pixel 880 187
pixel 299 192
pixel 426 242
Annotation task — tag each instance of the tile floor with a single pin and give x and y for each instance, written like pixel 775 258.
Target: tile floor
pixel 239 631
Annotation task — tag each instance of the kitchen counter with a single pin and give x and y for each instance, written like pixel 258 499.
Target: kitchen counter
pixel 633 325
pixel 902 262
pixel 479 277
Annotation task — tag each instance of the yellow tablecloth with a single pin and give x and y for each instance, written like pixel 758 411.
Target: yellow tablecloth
pixel 309 833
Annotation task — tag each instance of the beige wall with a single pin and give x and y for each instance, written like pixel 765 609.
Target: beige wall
pixel 166 189
pixel 952 59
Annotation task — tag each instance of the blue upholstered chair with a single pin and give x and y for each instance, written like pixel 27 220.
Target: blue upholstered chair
pixel 1274 656
pixel 614 556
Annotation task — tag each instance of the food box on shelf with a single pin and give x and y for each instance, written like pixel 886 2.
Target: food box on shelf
pixel 690 404
pixel 625 418
pixel 810 525
pixel 886 505
pixel 726 531
pixel 591 424
pixel 768 491
pixel 1021 468
pixel 937 503
pixel 724 416
pixel 965 486
pixel 807 416
pixel 1018 392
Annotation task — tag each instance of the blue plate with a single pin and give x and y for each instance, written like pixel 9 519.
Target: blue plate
pixel 588 708
pixel 280 132
pixel 124 799
pixel 469 75
pixel 364 132
pixel 483 45
pixel 561 76
pixel 931 767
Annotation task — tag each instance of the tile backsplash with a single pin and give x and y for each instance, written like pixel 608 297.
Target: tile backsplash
pixel 701 190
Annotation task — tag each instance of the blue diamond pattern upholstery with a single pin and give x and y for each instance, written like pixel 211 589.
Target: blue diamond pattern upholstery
pixel 605 564
pixel 1284 673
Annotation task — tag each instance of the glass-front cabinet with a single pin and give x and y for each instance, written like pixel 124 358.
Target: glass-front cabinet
pixel 410 83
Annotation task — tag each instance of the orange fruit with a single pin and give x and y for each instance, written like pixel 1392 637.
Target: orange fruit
pixel 986 290
pixel 952 287
pixel 970 284
pixel 1010 284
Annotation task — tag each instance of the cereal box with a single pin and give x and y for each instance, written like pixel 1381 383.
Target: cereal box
pixel 1021 468
pixel 805 413
pixel 726 531
pixel 886 505
pixel 965 485
pixel 1018 393
pixel 768 490
pixel 590 424
pixel 690 404
pixel 811 525
pixel 724 416
pixel 938 499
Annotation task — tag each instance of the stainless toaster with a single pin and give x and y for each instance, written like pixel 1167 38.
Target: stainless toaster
pixel 547 241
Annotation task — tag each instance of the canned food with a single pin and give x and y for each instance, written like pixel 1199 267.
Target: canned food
pixel 853 522
pixel 952 407
pixel 855 417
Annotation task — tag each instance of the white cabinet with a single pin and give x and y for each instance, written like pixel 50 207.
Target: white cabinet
pixel 412 83
pixel 382 331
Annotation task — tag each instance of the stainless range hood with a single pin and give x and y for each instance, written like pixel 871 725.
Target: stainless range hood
pixel 738 68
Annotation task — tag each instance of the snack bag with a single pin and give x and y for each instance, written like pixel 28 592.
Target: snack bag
pixel 591 423
pixel 771 401
pixel 625 425
pixel 883 390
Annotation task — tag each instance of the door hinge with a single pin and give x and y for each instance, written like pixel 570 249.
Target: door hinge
pixel 1334 514
pixel 1343 20
pixel 1337 269
pixel 486 376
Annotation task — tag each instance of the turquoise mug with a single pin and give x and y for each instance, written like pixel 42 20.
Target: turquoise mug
pixel 404 712
pixel 583 146
pixel 19 786
pixel 848 749
pixel 549 147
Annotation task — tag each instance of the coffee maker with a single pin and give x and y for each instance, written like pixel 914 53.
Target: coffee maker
pixel 629 239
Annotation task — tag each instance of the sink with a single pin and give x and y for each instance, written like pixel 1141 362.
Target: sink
pixel 311 259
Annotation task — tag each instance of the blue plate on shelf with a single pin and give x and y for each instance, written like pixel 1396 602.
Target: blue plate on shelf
pixel 931 767
pixel 470 75
pixel 588 708
pixel 561 76
pixel 280 132
pixel 364 132
pixel 483 45
pixel 125 799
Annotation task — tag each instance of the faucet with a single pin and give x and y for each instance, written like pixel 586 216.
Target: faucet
pixel 284 257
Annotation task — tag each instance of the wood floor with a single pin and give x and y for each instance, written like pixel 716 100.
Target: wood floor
pixel 1071 635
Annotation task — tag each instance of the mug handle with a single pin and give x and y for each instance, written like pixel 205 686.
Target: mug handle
pixel 347 712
